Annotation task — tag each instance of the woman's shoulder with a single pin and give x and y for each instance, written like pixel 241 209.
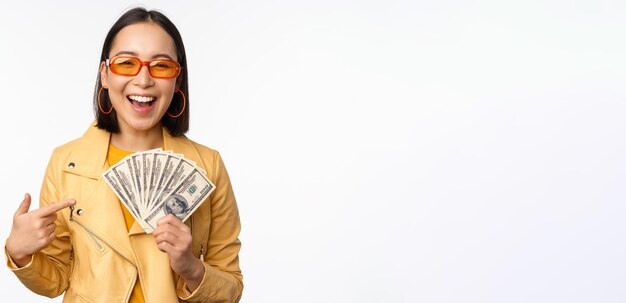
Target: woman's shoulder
pixel 92 139
pixel 203 151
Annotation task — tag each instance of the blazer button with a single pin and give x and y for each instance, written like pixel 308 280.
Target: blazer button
pixel 80 212
pixel 71 165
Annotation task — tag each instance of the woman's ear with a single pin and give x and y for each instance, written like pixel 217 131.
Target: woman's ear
pixel 104 80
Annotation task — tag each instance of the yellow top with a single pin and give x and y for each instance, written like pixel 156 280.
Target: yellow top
pixel 113 156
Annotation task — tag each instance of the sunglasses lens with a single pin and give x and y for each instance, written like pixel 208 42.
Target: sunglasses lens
pixel 164 69
pixel 125 66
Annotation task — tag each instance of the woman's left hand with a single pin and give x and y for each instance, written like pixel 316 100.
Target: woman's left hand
pixel 173 237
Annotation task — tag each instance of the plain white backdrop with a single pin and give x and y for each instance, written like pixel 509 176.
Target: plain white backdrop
pixel 380 151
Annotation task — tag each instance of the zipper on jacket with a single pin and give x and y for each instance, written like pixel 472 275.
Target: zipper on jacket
pixel 201 257
pixel 91 235
pixel 94 237
pixel 71 260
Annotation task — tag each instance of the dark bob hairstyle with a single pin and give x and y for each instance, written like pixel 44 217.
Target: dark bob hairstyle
pixel 176 126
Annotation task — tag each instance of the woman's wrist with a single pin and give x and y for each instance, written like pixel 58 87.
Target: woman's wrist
pixel 193 277
pixel 19 259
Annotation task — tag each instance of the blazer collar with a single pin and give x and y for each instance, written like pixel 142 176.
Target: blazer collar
pixel 89 158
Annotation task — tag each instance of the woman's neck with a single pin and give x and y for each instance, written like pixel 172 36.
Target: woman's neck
pixel 135 141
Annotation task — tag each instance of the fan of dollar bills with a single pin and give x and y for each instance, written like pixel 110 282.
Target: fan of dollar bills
pixel 155 183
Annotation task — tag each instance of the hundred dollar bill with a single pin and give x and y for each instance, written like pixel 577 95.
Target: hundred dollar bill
pixel 146 164
pixel 169 167
pixel 136 171
pixel 119 191
pixel 180 172
pixel 123 172
pixel 146 159
pixel 158 162
pixel 184 199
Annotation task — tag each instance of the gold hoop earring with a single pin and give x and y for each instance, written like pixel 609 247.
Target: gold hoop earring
pixel 184 104
pixel 100 105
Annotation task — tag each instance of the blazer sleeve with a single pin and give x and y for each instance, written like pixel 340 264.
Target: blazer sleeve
pixel 48 272
pixel 222 281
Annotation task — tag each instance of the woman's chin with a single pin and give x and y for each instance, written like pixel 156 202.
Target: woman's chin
pixel 144 125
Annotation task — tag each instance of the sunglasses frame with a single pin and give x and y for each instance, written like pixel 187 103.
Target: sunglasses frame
pixel 142 64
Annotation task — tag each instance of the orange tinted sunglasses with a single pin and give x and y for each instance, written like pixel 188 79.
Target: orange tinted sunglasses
pixel 130 66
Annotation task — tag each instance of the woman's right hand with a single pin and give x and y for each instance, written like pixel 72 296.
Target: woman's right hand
pixel 32 231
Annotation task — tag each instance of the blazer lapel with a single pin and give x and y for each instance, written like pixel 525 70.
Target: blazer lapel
pixel 100 210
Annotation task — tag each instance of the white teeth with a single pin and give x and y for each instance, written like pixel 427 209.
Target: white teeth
pixel 141 98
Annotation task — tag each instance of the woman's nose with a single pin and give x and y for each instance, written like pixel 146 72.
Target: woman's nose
pixel 143 78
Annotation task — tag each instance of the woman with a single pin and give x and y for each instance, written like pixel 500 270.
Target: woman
pixel 82 241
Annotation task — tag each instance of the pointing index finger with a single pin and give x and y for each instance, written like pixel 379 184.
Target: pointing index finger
pixel 55 207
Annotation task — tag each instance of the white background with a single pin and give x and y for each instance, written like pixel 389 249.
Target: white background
pixel 381 151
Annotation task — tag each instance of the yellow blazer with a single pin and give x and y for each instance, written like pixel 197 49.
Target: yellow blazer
pixel 94 258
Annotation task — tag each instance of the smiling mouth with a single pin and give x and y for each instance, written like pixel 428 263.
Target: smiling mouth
pixel 141 101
